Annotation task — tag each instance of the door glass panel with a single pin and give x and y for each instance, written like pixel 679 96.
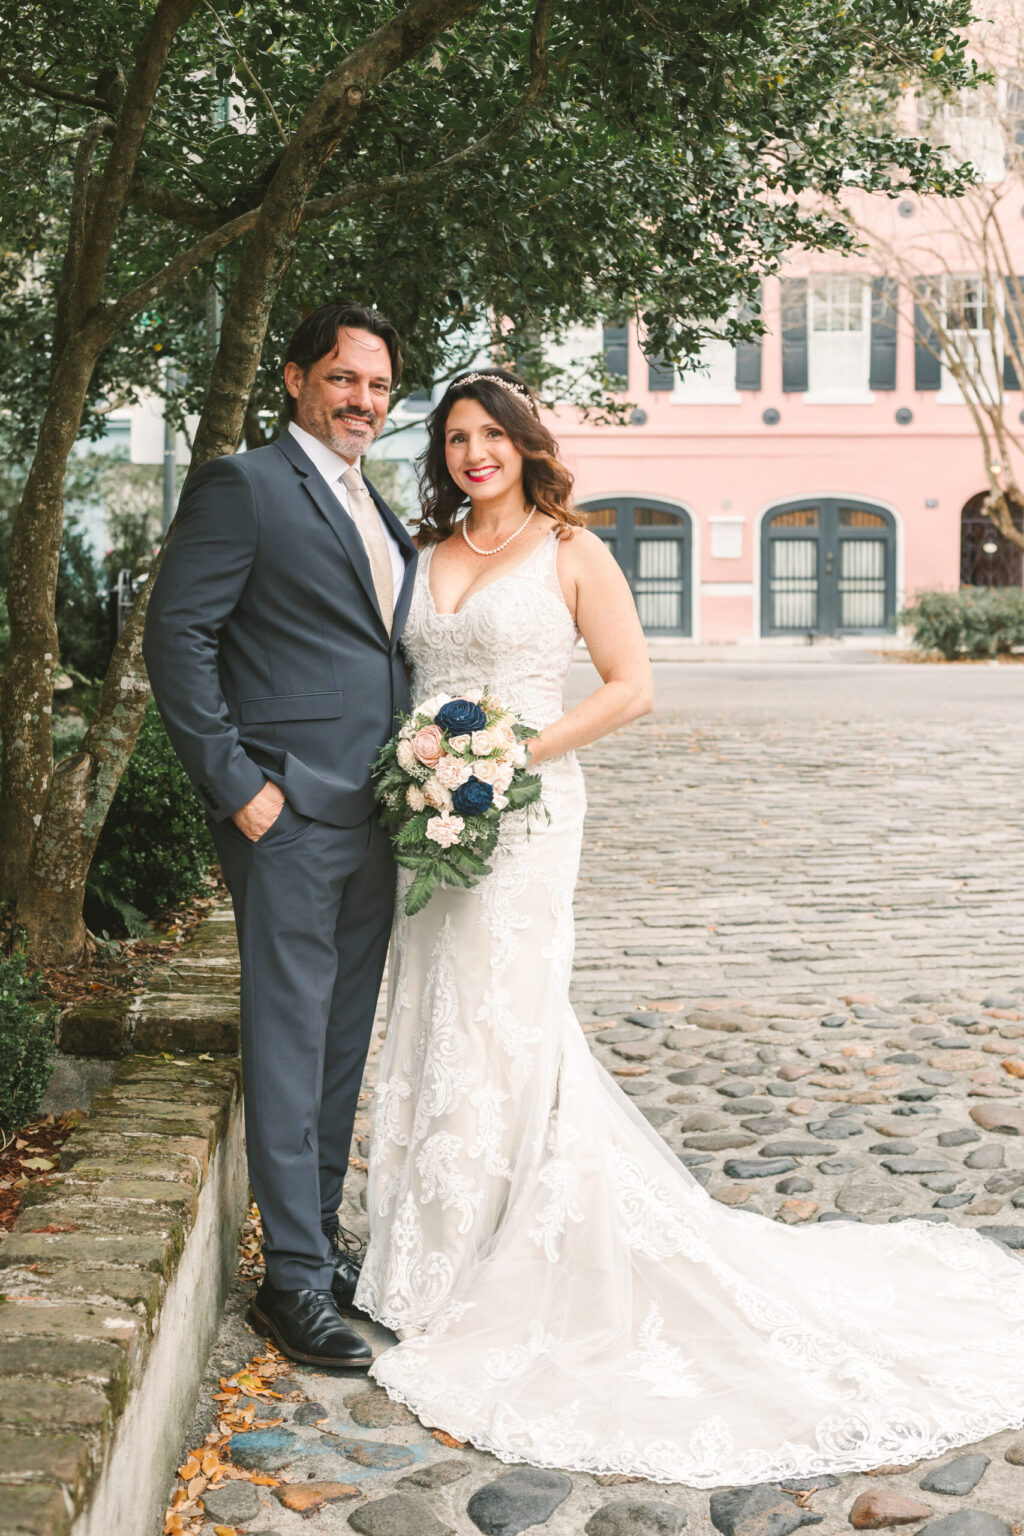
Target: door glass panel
pixel 862 584
pixel 601 517
pixel 654 517
pixel 859 517
pixel 793 582
pixel 799 517
pixel 658 586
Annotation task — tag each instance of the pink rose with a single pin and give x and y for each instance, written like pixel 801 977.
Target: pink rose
pixel 452 771
pixel 427 745
pixel 444 830
pixel 436 795
pixel 504 772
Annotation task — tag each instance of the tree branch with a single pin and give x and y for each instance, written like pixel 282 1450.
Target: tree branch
pixel 470 154
pixel 194 256
pixel 52 92
pixel 119 170
pixel 252 78
pixel 77 219
pixel 144 193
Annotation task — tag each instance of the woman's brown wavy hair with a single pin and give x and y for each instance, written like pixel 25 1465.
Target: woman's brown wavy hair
pixel 547 484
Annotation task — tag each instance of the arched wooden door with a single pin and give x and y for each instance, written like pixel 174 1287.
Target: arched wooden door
pixel 986 558
pixel 828 567
pixel 653 543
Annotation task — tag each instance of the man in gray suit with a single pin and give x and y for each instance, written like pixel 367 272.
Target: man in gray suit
pixel 272 647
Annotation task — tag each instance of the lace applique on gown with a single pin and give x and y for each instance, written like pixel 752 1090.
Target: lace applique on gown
pixel 584 1303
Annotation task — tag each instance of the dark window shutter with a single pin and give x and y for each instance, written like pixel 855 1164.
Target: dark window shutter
pixel 884 312
pixel 748 358
pixel 927 358
pixel 615 340
pixel 1014 338
pixel 661 375
pixel 794 334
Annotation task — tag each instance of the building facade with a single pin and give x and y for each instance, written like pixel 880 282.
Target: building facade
pixel 812 484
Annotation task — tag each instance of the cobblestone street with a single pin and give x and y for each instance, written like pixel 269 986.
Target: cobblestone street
pixel 799 931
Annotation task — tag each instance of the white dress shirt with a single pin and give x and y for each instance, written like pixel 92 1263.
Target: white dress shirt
pixel 332 466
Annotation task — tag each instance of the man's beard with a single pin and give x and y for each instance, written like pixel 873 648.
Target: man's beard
pixel 349 445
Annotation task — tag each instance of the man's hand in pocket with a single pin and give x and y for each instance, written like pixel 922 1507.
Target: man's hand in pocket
pixel 259 814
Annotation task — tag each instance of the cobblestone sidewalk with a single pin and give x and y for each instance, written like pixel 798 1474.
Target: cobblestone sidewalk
pixel 799 952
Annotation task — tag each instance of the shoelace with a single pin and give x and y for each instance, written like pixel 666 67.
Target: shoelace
pixel 341 1239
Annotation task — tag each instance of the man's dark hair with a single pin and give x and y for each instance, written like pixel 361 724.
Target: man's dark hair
pixel 317 337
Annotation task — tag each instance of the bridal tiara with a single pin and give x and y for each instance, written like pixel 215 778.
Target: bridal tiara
pixel 491 378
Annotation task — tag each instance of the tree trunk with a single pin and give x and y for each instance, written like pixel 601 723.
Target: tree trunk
pixel 80 333
pixel 53 889
pixel 26 687
pixel 49 903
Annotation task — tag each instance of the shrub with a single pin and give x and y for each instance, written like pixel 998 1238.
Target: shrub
pixel 976 621
pixel 27 1049
pixel 155 849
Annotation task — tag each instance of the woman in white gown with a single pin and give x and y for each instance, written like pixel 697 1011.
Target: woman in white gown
pixel 565 1292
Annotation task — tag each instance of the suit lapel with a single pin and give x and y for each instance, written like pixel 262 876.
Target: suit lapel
pixel 328 504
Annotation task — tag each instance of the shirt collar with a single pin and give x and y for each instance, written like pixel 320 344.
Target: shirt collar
pixel 330 464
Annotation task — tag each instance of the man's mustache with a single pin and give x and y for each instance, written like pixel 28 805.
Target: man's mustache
pixel 362 415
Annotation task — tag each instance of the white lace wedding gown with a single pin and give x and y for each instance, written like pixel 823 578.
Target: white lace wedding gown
pixel 586 1304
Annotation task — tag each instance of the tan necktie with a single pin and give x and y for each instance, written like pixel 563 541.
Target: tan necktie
pixel 367 519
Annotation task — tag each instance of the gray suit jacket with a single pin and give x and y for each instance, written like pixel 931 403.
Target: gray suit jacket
pixel 264 641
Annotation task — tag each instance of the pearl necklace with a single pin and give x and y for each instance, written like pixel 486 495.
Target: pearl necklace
pixel 500 547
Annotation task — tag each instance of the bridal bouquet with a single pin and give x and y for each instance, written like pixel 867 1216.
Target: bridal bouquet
pixel 444 783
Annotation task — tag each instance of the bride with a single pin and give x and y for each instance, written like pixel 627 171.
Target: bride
pixel 564 1291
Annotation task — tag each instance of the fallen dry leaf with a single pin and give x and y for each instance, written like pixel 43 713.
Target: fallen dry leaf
pixel 444 1438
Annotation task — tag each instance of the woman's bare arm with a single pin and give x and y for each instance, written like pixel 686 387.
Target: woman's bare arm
pixel 599 597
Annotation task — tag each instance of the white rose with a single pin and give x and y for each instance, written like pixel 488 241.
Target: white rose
pixel 406 756
pixel 486 770
pixel 445 829
pixel 520 754
pixel 504 736
pixel 431 706
pixel 499 802
pixel 415 798
pixel 483 743
pixel 408 730
pixel 458 743
pixel 436 795
pixel 452 771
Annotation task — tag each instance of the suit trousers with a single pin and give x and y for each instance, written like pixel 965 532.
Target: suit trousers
pixel 313 907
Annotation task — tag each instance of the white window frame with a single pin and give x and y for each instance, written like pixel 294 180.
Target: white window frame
pixel 820 389
pixel 949 392
pixel 973 127
pixel 712 381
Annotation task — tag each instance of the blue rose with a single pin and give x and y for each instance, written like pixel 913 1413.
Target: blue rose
pixel 474 797
pixel 459 717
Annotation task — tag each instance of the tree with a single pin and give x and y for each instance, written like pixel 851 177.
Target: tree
pixel 961 259
pixel 465 164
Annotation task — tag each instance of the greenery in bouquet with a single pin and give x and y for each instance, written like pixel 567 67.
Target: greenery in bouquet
pixel 443 784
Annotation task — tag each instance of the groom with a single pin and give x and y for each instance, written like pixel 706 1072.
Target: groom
pixel 272 647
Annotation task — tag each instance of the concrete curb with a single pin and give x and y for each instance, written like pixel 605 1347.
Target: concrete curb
pixel 114 1278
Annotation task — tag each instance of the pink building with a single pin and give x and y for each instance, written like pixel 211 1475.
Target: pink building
pixel 813 483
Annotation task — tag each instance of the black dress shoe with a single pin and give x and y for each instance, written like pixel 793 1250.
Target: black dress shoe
pixel 306 1326
pixel 346 1252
